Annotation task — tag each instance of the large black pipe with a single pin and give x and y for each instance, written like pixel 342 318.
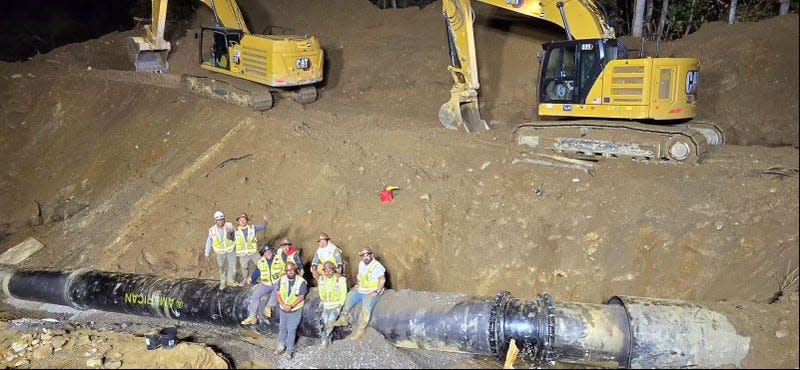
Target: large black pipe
pixel 626 332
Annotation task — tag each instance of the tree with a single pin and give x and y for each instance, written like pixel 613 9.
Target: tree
pixel 638 18
pixel 732 13
pixel 648 17
pixel 691 17
pixel 662 19
pixel 784 9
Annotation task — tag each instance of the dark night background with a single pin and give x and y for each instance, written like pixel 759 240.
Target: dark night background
pixel 31 27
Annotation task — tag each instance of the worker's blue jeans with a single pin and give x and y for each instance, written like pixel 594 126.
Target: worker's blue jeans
pixel 287 329
pixel 355 297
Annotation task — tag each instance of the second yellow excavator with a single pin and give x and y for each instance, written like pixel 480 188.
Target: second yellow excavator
pixel 258 63
pixel 606 103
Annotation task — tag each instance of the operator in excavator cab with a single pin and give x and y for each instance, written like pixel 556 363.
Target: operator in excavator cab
pixel 220 51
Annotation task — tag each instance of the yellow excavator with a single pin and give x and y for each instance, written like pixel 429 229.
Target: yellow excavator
pixel 281 62
pixel 602 102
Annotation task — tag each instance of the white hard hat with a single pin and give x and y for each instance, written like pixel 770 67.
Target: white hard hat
pixel 218 215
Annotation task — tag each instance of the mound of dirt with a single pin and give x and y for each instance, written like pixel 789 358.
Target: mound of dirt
pixel 749 78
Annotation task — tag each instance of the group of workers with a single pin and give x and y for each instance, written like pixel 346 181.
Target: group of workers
pixel 278 279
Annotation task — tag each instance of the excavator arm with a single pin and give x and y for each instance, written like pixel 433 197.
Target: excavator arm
pixel 581 19
pixel 149 53
pixel 462 108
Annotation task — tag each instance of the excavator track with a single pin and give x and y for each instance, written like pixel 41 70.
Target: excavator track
pixel 244 93
pixel 713 133
pixel 305 94
pixel 256 97
pixel 644 142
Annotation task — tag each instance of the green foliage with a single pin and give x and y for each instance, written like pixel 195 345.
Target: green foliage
pixel 755 10
pixel 616 15
pixel 686 16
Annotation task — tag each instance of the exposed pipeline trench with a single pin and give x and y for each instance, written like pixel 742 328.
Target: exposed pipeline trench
pixel 629 332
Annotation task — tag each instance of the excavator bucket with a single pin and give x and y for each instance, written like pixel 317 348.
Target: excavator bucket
pixel 456 113
pixel 146 57
pixel 149 53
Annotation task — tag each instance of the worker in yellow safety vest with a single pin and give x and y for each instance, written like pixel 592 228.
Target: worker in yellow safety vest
pixel 332 293
pixel 247 244
pixel 220 239
pixel 292 290
pixel 289 253
pixel 327 251
pixel 368 290
pixel 269 272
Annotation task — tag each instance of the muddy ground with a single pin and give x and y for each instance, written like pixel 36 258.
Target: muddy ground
pixel 121 171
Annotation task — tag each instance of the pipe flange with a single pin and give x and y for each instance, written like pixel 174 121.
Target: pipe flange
pixel 75 275
pixel 496 346
pixel 545 356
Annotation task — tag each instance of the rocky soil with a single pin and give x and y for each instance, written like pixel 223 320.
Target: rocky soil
pixel 45 343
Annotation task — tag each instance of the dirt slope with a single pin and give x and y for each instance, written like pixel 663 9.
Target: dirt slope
pixel 124 168
pixel 749 75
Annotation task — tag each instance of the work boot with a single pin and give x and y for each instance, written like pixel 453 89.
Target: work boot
pixel 267 311
pixel 358 333
pixel 250 320
pixel 343 320
pixel 361 326
pixel 280 349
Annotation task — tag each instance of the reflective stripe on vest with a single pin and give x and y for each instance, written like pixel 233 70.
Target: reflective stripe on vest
pixel 278 267
pixel 333 292
pixel 221 245
pixel 289 298
pixel 246 246
pixel 270 273
pixel 365 282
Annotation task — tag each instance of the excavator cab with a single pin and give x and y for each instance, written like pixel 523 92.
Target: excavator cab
pixel 570 69
pixel 595 78
pixel 215 46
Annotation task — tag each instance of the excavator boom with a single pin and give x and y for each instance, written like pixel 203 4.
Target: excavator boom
pixel 227 14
